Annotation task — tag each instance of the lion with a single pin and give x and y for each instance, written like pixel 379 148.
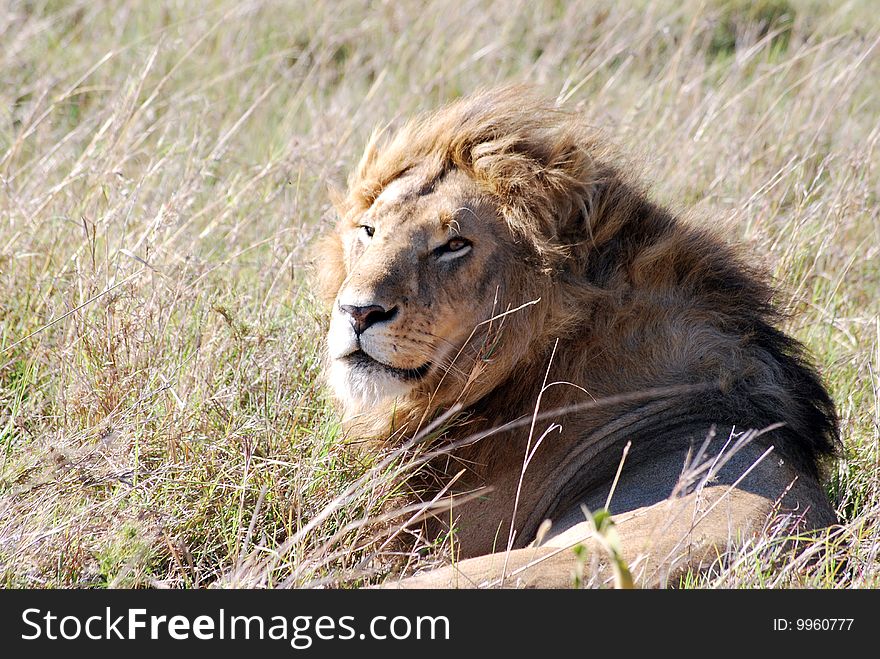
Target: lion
pixel 497 267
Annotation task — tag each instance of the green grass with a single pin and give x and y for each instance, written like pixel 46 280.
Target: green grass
pixel 163 171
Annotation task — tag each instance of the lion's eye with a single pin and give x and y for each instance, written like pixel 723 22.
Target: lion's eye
pixel 454 248
pixel 368 230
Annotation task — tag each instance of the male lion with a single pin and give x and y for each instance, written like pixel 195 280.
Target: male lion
pixel 496 263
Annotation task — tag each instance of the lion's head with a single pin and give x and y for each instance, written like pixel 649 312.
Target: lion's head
pixel 449 233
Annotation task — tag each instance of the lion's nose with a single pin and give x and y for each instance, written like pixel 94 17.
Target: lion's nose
pixel 363 317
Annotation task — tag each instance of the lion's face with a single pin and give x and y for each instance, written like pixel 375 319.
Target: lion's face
pixel 424 267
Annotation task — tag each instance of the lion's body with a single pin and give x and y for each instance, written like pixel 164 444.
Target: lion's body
pixel 510 270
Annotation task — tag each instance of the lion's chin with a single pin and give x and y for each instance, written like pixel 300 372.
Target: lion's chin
pixel 360 389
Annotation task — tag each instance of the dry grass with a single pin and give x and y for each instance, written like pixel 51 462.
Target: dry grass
pixel 163 168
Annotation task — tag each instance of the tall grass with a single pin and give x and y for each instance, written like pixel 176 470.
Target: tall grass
pixel 163 171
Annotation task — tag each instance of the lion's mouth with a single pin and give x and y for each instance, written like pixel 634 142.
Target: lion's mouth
pixel 360 359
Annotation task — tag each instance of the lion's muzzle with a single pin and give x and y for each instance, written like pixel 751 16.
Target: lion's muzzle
pixel 361 318
pixel 371 358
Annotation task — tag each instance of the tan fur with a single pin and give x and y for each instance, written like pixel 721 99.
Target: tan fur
pixel 575 292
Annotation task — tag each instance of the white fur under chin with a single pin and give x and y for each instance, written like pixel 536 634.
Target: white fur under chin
pixel 361 391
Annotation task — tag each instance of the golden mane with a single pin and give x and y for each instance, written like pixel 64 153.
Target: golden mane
pixel 539 162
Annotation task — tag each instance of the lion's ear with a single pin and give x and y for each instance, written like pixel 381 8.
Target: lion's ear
pixel 574 225
pixel 573 186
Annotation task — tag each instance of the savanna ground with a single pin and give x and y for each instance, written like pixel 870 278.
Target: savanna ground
pixel 163 172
